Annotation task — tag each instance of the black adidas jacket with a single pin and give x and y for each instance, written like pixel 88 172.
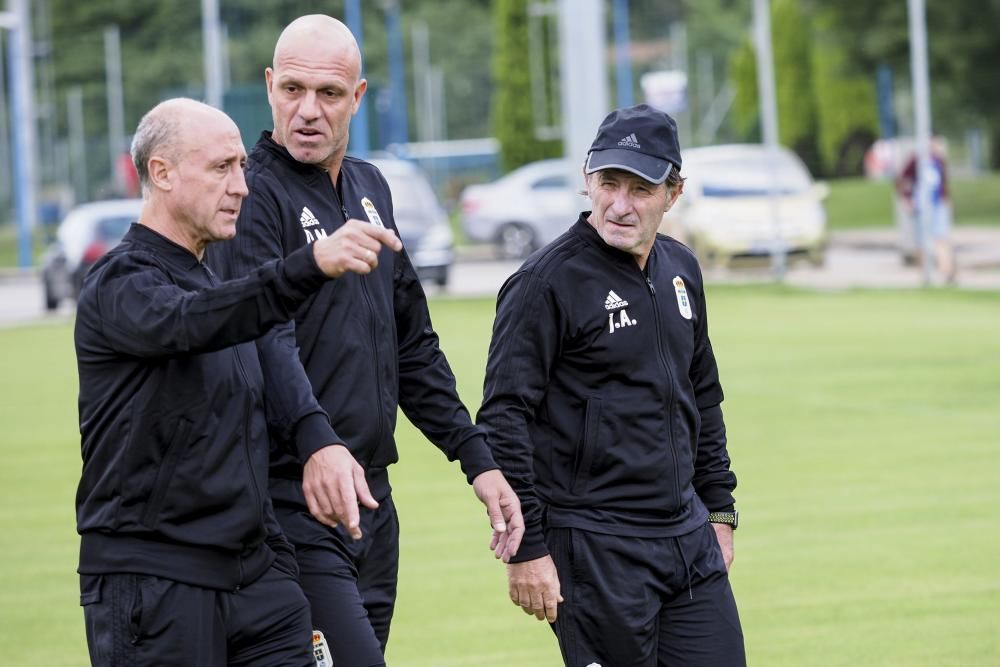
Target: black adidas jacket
pixel 363 344
pixel 601 399
pixel 172 412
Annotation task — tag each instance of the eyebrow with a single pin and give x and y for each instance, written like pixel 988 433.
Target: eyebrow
pixel 285 79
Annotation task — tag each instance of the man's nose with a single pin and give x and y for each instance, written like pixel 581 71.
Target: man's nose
pixel 621 204
pixel 309 107
pixel 238 183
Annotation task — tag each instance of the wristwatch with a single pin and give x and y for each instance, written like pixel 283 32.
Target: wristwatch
pixel 728 518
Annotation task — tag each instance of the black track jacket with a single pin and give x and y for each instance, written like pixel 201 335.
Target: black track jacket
pixel 601 399
pixel 363 344
pixel 172 413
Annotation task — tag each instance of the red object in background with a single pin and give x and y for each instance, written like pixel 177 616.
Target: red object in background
pixel 128 177
pixel 94 252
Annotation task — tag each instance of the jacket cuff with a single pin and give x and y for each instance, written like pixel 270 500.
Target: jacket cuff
pixel 532 544
pixel 302 272
pixel 313 433
pixel 717 498
pixel 475 458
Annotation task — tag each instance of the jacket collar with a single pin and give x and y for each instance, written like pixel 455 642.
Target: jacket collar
pixel 267 145
pixel 142 235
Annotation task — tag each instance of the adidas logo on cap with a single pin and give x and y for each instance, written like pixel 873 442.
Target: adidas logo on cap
pixel 629 142
pixel 614 301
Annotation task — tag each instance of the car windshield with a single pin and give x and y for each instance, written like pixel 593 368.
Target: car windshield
pixel 412 202
pixel 751 177
pixel 113 229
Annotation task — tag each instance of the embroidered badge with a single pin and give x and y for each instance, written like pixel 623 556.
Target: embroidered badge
pixel 371 212
pixel 321 650
pixel 683 303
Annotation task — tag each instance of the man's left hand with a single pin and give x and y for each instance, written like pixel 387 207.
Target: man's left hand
pixel 504 510
pixel 724 534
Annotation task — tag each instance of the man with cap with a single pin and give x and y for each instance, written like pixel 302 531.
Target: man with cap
pixel 602 406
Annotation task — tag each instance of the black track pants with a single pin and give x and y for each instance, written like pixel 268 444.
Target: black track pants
pixel 644 602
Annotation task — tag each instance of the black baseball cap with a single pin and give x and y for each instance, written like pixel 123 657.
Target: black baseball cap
pixel 639 139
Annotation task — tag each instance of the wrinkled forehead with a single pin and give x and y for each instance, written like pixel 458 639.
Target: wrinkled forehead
pixel 311 47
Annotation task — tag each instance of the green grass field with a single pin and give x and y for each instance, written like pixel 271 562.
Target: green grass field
pixel 864 428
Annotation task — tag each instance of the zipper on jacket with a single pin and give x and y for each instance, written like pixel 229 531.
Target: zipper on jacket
pixel 670 384
pixel 246 416
pixel 212 280
pixel 246 435
pixel 371 312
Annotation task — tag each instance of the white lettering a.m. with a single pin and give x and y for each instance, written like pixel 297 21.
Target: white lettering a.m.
pixel 313 235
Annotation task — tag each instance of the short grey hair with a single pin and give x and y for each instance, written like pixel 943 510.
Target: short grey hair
pixel 157 133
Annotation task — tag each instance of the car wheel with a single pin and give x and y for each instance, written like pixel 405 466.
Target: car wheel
pixel 51 298
pixel 817 257
pixel 441 279
pixel 515 240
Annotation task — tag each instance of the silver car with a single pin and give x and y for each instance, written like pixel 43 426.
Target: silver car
pixel 85 234
pixel 422 222
pixel 522 211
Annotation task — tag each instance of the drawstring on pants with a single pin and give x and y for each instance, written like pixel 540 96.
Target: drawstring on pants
pixel 687 568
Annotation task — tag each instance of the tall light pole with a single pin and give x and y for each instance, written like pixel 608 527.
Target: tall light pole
pixel 399 111
pixel 359 125
pixel 116 103
pixel 769 122
pixel 213 61
pixel 77 142
pixel 922 119
pixel 17 19
pixel 623 60
pixel 584 78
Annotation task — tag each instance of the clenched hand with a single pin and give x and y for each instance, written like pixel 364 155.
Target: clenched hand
pixel 354 247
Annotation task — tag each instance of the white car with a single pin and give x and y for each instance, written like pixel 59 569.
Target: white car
pixel 85 234
pixel 739 201
pixel 522 211
pixel 422 222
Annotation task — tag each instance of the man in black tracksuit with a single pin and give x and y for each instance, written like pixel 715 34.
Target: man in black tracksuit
pixel 181 560
pixel 363 345
pixel 601 405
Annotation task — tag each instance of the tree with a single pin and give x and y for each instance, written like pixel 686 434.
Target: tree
pixel 513 118
pixel 963 54
pixel 825 111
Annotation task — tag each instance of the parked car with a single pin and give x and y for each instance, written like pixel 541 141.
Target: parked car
pixel 739 201
pixel 522 211
pixel 422 222
pixel 85 234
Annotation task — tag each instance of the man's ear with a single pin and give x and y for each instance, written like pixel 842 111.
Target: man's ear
pixel 160 172
pixel 359 92
pixel 673 195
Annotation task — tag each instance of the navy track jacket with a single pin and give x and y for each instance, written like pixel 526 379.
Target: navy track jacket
pixel 601 399
pixel 363 344
pixel 172 413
